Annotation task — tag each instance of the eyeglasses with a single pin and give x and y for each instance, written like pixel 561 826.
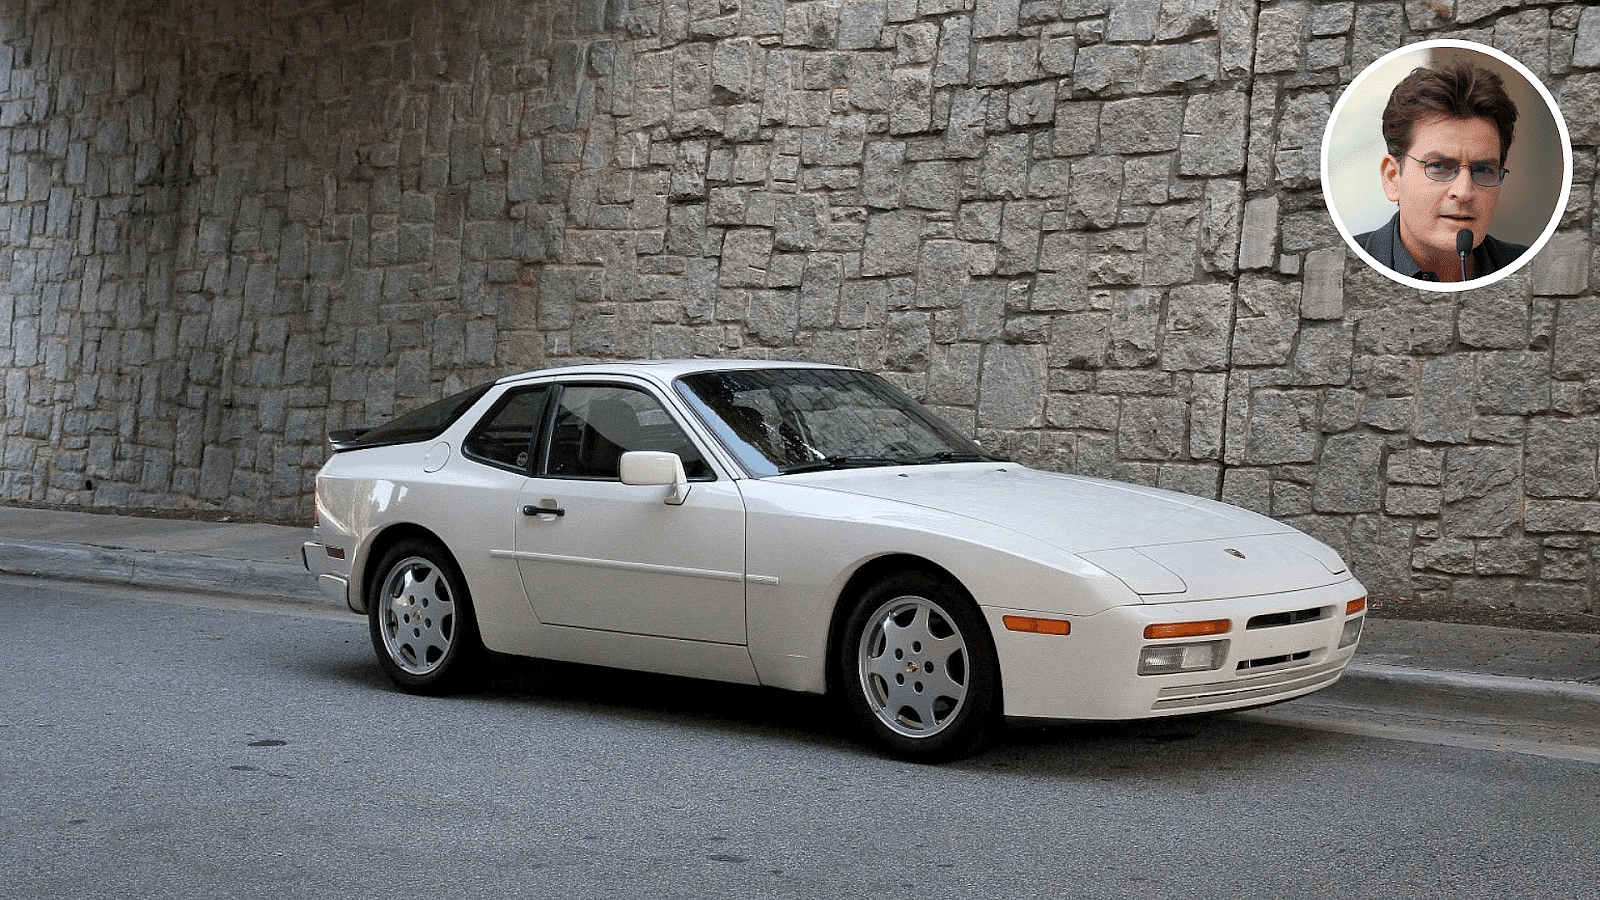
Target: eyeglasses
pixel 1483 174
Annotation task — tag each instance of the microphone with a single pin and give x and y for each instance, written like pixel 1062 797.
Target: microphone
pixel 1463 247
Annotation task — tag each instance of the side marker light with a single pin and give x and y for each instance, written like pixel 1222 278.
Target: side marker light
pixel 1034 625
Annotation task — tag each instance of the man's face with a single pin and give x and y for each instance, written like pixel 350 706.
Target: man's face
pixel 1432 212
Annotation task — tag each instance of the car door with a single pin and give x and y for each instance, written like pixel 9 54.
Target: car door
pixel 598 554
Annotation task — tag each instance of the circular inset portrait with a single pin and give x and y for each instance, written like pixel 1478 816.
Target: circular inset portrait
pixel 1446 165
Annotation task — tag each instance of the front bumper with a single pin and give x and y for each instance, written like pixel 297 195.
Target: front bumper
pixel 1277 647
pixel 331 568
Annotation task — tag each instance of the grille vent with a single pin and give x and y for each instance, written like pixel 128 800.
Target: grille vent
pixel 1278 620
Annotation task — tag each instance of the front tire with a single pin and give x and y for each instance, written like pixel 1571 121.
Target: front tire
pixel 918 669
pixel 419 615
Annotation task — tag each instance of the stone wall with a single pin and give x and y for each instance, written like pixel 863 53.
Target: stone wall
pixel 1090 233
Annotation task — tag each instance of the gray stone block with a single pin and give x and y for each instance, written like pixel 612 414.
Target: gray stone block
pixel 1562 516
pixel 861 24
pixel 911 100
pixel 1250 488
pixel 1455 557
pixel 1214 128
pixel 1197 328
pixel 1324 355
pixel 1134 20
pixel 1058 52
pixel 1096 191
pixel 1170 66
pixel 1494 322
pixel 1577 339
pixel 1171 244
pixel 1323 296
pixel 1586 49
pixel 1142 125
pixel 1347 479
pixel 952 64
pixel 1411 501
pixel 1282 428
pixel 995 18
pixel 1561 458
pixel 1135 321
pixel 1479 491
pixel 891 243
pixel 1152 428
pixel 1104 68
pixel 1012 388
pixel 1259 233
pixel 1006 64
pixel 1562 267
pixel 1513 383
pixel 1280 37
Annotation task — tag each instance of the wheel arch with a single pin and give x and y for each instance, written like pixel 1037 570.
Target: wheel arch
pixel 378 547
pixel 860 581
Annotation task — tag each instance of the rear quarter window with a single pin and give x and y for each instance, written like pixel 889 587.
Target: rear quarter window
pixel 506 436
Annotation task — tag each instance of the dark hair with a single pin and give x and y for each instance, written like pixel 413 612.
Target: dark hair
pixel 1455 89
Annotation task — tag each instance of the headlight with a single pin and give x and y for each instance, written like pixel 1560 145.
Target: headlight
pixel 1352 632
pixel 1165 659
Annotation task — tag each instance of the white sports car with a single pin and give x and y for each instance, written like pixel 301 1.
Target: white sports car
pixel 809 527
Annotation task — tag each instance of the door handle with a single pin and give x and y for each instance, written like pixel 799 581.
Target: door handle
pixel 551 510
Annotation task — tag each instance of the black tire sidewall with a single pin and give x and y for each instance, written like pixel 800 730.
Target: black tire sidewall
pixel 462 658
pixel 979 717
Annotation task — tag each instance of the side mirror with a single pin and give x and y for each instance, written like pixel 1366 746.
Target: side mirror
pixel 656 467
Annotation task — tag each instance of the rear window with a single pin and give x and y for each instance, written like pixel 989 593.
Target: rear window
pixel 422 424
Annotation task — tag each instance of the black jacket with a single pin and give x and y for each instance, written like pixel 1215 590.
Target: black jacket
pixel 1384 244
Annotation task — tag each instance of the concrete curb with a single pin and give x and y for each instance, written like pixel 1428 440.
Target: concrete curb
pixel 1463 694
pixel 157 569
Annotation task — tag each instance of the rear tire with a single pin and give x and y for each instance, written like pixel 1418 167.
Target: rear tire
pixel 918 670
pixel 419 615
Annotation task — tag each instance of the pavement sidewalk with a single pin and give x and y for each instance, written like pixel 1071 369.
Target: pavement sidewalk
pixel 1549 676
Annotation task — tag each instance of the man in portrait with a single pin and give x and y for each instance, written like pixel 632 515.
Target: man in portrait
pixel 1447 129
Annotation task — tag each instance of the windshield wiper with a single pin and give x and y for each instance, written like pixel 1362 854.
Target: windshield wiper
pixel 947 456
pixel 839 462
pixel 864 462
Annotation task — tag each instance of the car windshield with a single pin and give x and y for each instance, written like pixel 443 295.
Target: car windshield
pixel 782 421
pixel 418 425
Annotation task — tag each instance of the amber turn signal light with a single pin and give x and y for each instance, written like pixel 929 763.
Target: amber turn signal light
pixel 1187 629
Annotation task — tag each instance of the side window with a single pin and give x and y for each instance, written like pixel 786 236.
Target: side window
pixel 595 424
pixel 506 435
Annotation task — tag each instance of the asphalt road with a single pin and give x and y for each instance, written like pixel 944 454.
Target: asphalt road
pixel 180 747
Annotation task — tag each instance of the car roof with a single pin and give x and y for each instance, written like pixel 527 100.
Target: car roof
pixel 665 370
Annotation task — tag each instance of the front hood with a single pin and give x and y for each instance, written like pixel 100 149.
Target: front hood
pixel 1073 513
pixel 1157 542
